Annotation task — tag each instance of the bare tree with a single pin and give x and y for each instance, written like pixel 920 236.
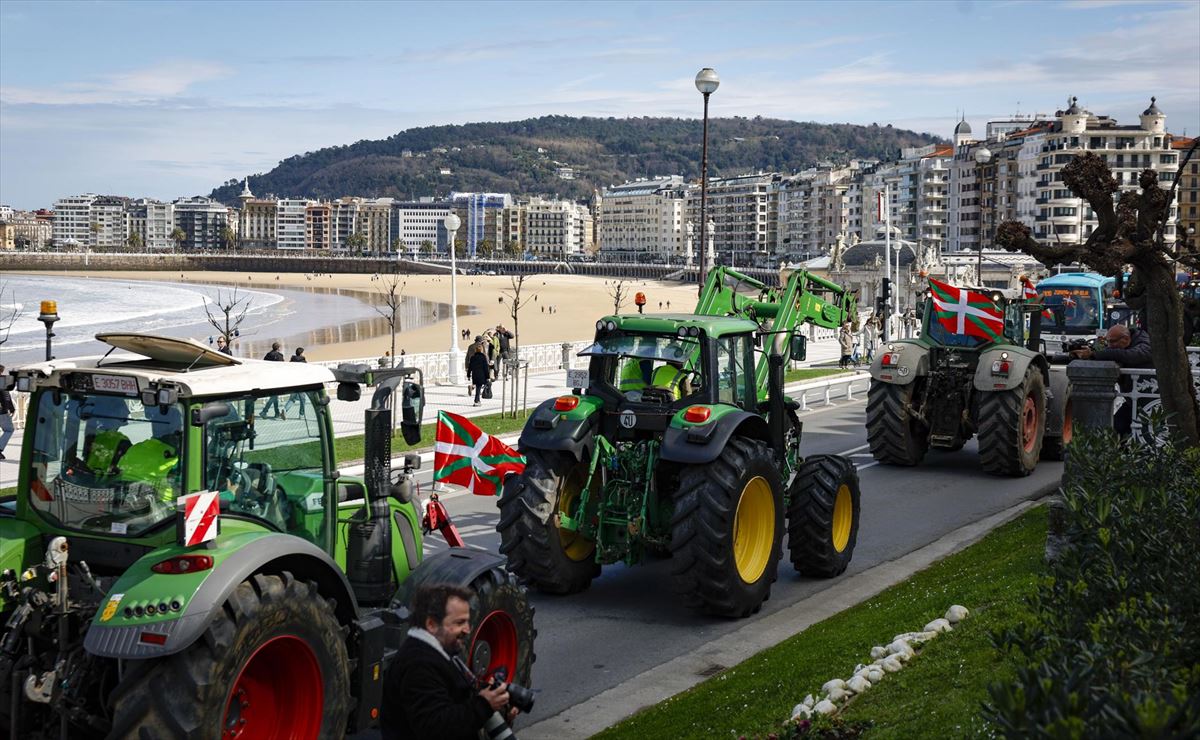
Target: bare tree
pixel 619 292
pixel 8 313
pixel 390 301
pixel 1131 232
pixel 226 313
pixel 516 301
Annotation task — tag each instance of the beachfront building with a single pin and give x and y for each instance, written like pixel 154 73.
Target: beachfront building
pixel 642 220
pixel 744 211
pixel 512 229
pixel 361 224
pixel 202 221
pixel 153 222
pixel 290 227
pixel 482 219
pixel 814 209
pixel 72 220
pixel 555 228
pixel 257 228
pixel 31 229
pixel 7 235
pixel 317 226
pixel 418 226
pixel 984 194
pixel 1188 194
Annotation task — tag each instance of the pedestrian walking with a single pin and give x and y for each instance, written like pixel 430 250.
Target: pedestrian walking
pixel 504 339
pixel 297 356
pixel 478 369
pixel 846 341
pixel 7 409
pixel 868 335
pixel 273 402
pixel 386 359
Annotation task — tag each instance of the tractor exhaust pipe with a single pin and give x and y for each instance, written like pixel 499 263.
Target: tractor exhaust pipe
pixel 369 547
pixel 776 423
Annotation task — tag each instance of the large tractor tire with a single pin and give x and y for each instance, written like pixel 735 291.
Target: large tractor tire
pixel 823 515
pixel 1011 425
pixel 895 435
pixel 553 560
pixel 1055 447
pixel 727 530
pixel 503 633
pixel 272 664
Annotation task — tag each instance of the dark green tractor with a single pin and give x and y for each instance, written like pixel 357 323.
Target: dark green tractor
pixel 683 444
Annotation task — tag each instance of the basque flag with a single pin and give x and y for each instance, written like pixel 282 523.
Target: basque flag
pixel 1029 293
pixel 467 456
pixel 963 311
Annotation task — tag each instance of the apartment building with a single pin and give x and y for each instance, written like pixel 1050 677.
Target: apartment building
pixel 72 220
pixel 317 226
pixel 643 220
pixel 483 219
pixel 366 217
pixel 31 229
pixel 744 212
pixel 1188 194
pixel 555 228
pixel 512 228
pixel 291 229
pixel 416 223
pixel 153 222
pixel 815 207
pixel 202 221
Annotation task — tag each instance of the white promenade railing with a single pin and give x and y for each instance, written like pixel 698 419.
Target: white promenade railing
pixel 1143 391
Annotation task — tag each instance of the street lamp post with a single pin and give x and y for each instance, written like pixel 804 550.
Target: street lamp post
pixel 452 222
pixel 48 316
pixel 707 83
pixel 983 155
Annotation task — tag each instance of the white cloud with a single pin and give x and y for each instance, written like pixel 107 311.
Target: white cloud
pixel 138 86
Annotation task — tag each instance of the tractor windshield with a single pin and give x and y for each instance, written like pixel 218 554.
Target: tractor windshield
pixel 105 464
pixel 648 367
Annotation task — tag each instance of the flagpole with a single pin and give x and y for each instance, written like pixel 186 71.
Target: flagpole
pixel 887 240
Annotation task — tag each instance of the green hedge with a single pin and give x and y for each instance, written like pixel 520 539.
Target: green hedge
pixel 1114 650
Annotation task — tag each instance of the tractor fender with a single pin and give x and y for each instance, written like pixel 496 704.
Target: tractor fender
pixel 1019 359
pixel 1058 391
pixel 304 560
pixel 704 443
pixel 552 431
pixel 914 362
pixel 458 566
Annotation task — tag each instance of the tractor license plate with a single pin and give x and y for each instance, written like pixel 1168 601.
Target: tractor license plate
pixel 115 384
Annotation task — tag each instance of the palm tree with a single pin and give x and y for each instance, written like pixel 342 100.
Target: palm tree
pixel 179 236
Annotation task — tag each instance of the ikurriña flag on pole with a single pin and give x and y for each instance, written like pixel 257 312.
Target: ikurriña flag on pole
pixel 1029 293
pixel 467 456
pixel 965 311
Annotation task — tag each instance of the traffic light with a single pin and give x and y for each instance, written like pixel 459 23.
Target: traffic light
pixel 885 292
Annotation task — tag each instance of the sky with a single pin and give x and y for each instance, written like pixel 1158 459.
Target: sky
pixel 169 99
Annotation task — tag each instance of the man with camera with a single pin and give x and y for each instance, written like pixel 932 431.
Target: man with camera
pixel 428 695
pixel 1128 348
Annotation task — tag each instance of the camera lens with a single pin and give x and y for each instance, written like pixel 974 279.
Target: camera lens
pixel 521 698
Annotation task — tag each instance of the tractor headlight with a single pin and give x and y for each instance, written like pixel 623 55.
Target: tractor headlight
pixel 611 326
pixel 600 325
pixel 693 331
pixel 682 331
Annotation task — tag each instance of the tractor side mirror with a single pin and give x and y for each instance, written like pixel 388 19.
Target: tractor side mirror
pixel 799 347
pixel 210 411
pixel 412 409
pixel 349 391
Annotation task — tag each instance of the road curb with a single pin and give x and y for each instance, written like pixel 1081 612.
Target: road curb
pixel 679 674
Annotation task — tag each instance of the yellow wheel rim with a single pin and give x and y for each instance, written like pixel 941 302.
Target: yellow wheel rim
pixel 754 529
pixel 843 517
pixel 574 545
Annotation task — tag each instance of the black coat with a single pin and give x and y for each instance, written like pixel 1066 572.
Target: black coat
pixel 505 337
pixel 1137 354
pixel 425 697
pixel 479 368
pixel 274 356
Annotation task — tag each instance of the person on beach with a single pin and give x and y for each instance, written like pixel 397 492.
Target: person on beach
pixel 273 402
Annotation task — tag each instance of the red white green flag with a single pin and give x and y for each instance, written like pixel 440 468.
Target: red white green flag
pixel 467 456
pixel 964 311
pixel 1030 294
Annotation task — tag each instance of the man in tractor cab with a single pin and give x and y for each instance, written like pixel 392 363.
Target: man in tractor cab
pixel 155 461
pixel 633 375
pixel 103 441
pixel 671 376
pixel 425 695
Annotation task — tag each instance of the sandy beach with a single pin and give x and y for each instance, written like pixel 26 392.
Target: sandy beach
pixel 577 302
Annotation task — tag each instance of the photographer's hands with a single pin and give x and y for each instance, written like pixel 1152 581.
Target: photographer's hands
pixel 496 697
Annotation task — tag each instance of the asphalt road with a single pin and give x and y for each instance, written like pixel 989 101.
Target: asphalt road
pixel 629 621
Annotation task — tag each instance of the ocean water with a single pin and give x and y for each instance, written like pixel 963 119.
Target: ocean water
pixel 89 306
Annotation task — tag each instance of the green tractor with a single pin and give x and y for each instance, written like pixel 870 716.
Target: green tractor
pixel 183 559
pixel 942 388
pixel 680 442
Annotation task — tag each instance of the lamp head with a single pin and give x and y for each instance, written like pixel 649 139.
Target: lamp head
pixel 452 222
pixel 983 155
pixel 707 81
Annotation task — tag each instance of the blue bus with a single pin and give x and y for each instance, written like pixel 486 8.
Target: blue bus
pixel 1089 306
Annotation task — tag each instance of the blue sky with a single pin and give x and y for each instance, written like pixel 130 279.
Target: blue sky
pixel 170 99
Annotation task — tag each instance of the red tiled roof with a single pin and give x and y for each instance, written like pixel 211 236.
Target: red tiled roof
pixel 1182 143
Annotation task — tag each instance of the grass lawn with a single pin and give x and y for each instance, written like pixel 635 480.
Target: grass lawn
pixel 937 695
pixel 791 376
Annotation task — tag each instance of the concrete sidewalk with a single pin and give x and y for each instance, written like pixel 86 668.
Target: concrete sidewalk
pixel 348 416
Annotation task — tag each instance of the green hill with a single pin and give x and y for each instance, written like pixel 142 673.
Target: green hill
pixel 524 157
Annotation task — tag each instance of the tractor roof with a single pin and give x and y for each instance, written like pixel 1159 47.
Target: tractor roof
pixel 669 323
pixel 196 369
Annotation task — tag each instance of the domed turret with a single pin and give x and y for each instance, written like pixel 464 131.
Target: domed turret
pixel 1153 119
pixel 962 132
pixel 1074 118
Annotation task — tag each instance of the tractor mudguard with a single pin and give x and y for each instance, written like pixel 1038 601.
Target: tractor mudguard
pixel 1018 359
pixel 557 431
pixel 458 566
pixel 1058 390
pixel 246 555
pixel 914 362
pixel 703 443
